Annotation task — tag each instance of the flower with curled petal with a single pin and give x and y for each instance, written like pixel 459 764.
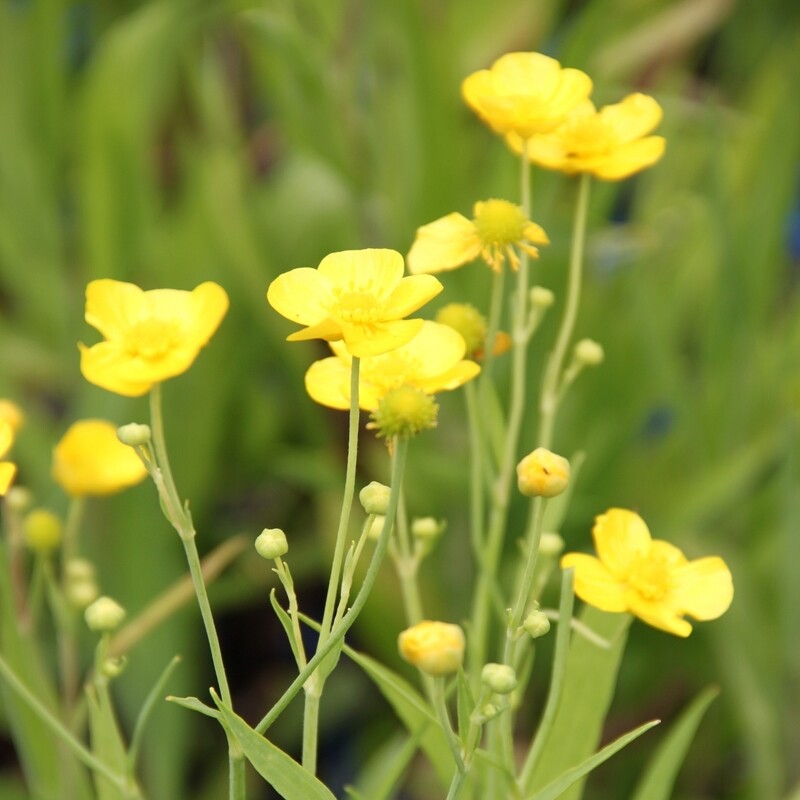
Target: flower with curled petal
pixel 647 577
pixel 525 93
pixel 149 336
pixel 611 144
pixel 433 361
pixel 359 297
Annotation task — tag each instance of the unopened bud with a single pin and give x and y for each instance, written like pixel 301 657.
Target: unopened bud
pixel 427 528
pixel 541 297
pixel 134 434
pixel 499 678
pixel 104 615
pixel 436 648
pixel 376 527
pixel 542 473
pixel 18 499
pixel 41 530
pixel 271 544
pixel 536 624
pixel 551 545
pixel 114 666
pixel 374 498
pixel 589 353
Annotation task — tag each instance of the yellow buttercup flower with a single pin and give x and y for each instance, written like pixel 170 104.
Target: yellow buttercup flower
pixel 149 336
pixel 496 231
pixel 610 144
pixel 433 361
pixel 437 648
pixel 7 469
pixel 90 460
pixel 12 414
pixel 525 93
pixel 356 296
pixel 648 577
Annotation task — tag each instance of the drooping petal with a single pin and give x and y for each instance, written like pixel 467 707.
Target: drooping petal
pixel 633 117
pixel 444 244
pixel 595 584
pixel 301 295
pixel 7 473
pixel 702 588
pixel 411 293
pixel 105 365
pixel 627 159
pixel 113 307
pixel 328 383
pixel 374 339
pixel 327 329
pixel 620 537
pixel 658 614
pixel 373 271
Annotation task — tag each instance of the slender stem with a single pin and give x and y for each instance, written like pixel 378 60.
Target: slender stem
pixel 237 786
pixel 407 566
pixel 72 527
pixel 477 455
pixel 548 405
pixel 440 706
pixel 340 629
pixel 493 326
pixel 310 731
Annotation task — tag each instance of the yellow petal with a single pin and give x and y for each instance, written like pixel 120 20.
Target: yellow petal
pixel 525 74
pixel 301 295
pixel 620 537
pixel 7 473
pixel 209 304
pixel 328 383
pixel 627 159
pixel 6 437
pixel 475 87
pixel 444 244
pixel 105 365
pixel 374 339
pixel 658 614
pixel 595 584
pixel 535 233
pixel 702 588
pixel 573 88
pixel 12 414
pixel 451 379
pixel 373 271
pixel 411 293
pixel 633 117
pixel 327 329
pixel 545 151
pixel 435 349
pixel 113 306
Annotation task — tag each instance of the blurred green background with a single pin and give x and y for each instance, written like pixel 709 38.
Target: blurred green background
pixel 173 142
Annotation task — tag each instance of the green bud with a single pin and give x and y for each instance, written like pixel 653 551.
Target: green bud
pixel 104 615
pixel 404 412
pixel 134 434
pixel 41 530
pixel 114 666
pixel 18 499
pixel 466 320
pixel 376 527
pixel 588 353
pixel 551 545
pixel 271 544
pixel 427 528
pixel 499 678
pixel 374 498
pixel 541 297
pixel 536 624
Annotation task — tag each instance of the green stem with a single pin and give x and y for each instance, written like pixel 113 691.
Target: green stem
pixel 477 468
pixel 440 706
pixel 340 629
pixel 549 402
pixel 407 565
pixel 237 787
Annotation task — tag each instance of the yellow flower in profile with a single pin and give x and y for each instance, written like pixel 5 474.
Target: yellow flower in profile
pixel 90 460
pixel 437 648
pixel 648 577
pixel 433 361
pixel 149 336
pixel 7 468
pixel 611 143
pixel 356 296
pixel 525 93
pixel 496 231
pixel 12 414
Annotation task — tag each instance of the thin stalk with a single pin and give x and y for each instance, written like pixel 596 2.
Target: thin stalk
pixel 476 471
pixel 548 405
pixel 407 565
pixel 440 707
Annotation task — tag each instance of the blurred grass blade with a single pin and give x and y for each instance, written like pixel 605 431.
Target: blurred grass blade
pixel 107 743
pixel 379 778
pixel 659 776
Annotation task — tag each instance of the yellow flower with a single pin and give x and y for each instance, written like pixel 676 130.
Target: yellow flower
pixel 436 648
pixel 90 460
pixel 542 473
pixel 7 469
pixel 648 577
pixel 525 93
pixel 149 336
pixel 12 414
pixel 498 227
pixel 610 144
pixel 432 362
pixel 357 296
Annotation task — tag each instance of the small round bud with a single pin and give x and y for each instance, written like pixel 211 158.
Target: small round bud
pixel 404 412
pixel 79 569
pixel 551 545
pixel 427 528
pixel 104 615
pixel 376 527
pixel 486 712
pixel 271 544
pixel 499 678
pixel 18 499
pixel 589 353
pixel 466 320
pixel 536 624
pixel 374 498
pixel 81 593
pixel 134 434
pixel 542 473
pixel 436 648
pixel 541 297
pixel 41 530
pixel 112 667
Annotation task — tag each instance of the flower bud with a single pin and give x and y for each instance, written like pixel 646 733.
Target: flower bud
pixel 112 667
pixel 374 498
pixel 551 545
pixel 134 434
pixel 376 527
pixel 536 624
pixel 104 615
pixel 499 678
pixel 466 320
pixel 404 412
pixel 541 298
pixel 436 648
pixel 41 530
pixel 589 353
pixel 18 499
pixel 542 473
pixel 271 544
pixel 80 586
pixel 426 527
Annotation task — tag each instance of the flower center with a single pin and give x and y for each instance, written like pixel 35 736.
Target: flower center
pixel 357 307
pixel 499 222
pixel 650 577
pixel 152 339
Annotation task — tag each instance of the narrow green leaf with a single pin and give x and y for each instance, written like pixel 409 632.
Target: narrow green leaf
pixel 107 743
pixel 193 704
pixel 659 776
pixel 465 704
pixel 278 769
pixel 557 787
pixel 286 621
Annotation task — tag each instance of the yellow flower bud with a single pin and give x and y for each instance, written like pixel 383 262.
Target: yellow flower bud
pixel 466 320
pixel 536 623
pixel 436 648
pixel 41 530
pixel 374 498
pixel 404 412
pixel 104 615
pixel 271 544
pixel 134 434
pixel 589 353
pixel 499 678
pixel 542 473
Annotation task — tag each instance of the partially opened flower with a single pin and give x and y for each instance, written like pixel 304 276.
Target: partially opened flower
pixel 149 336
pixel 90 460
pixel 359 297
pixel 433 361
pixel 7 468
pixel 611 144
pixel 499 228
pixel 525 93
pixel 648 577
